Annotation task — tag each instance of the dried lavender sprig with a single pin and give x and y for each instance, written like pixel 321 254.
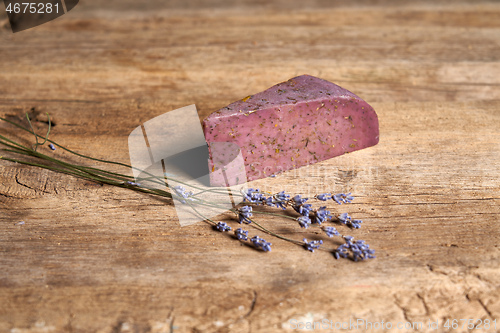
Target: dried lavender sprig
pixel 312 245
pixel 324 196
pixel 267 231
pixel 256 224
pixel 247 217
pixel 181 192
pixel 299 205
pixel 244 214
pixel 321 215
pixel 344 218
pixel 222 226
pixel 340 251
pixel 241 234
pixel 256 196
pixel 84 171
pixel 359 250
pixel 331 231
pixel 297 200
pixel 343 198
pixel 282 200
pixel 261 243
pixel 259 226
pixel 250 220
pixel 304 221
pixel 279 200
pixel 253 195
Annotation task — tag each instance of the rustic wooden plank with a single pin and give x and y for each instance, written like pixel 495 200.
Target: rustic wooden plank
pixel 96 258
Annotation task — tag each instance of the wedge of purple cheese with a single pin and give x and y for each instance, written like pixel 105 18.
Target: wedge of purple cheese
pixel 294 123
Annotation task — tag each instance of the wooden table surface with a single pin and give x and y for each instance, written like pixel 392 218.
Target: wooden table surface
pixel 93 258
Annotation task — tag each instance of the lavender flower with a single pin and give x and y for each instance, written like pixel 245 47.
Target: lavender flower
pixel 281 199
pixel 312 245
pixel 282 196
pixel 298 200
pixel 253 195
pixel 241 234
pixel 222 226
pixel 341 251
pixel 269 201
pixel 261 243
pixel 342 198
pixel 132 183
pixel 304 221
pixel 321 215
pixel 244 214
pixel 331 231
pixel 324 196
pixel 51 146
pixel 181 191
pixel 298 204
pixel 344 218
pixel 362 251
pixel 277 200
pixel 356 224
pixel 359 249
pixel 303 210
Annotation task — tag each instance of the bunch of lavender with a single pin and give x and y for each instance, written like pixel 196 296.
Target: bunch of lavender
pixel 308 216
pixel 358 249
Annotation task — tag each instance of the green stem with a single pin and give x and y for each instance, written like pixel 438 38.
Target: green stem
pixel 12 142
pixel 267 231
pixel 200 214
pixel 34 147
pixel 86 176
pixel 274 214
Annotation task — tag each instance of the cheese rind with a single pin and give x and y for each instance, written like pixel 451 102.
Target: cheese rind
pixel 295 123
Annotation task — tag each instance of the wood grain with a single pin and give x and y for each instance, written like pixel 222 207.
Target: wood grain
pixel 93 258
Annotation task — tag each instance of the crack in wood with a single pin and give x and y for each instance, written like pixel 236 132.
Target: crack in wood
pixel 252 305
pixel 19 182
pixel 6 195
pixel 483 305
pixel 426 307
